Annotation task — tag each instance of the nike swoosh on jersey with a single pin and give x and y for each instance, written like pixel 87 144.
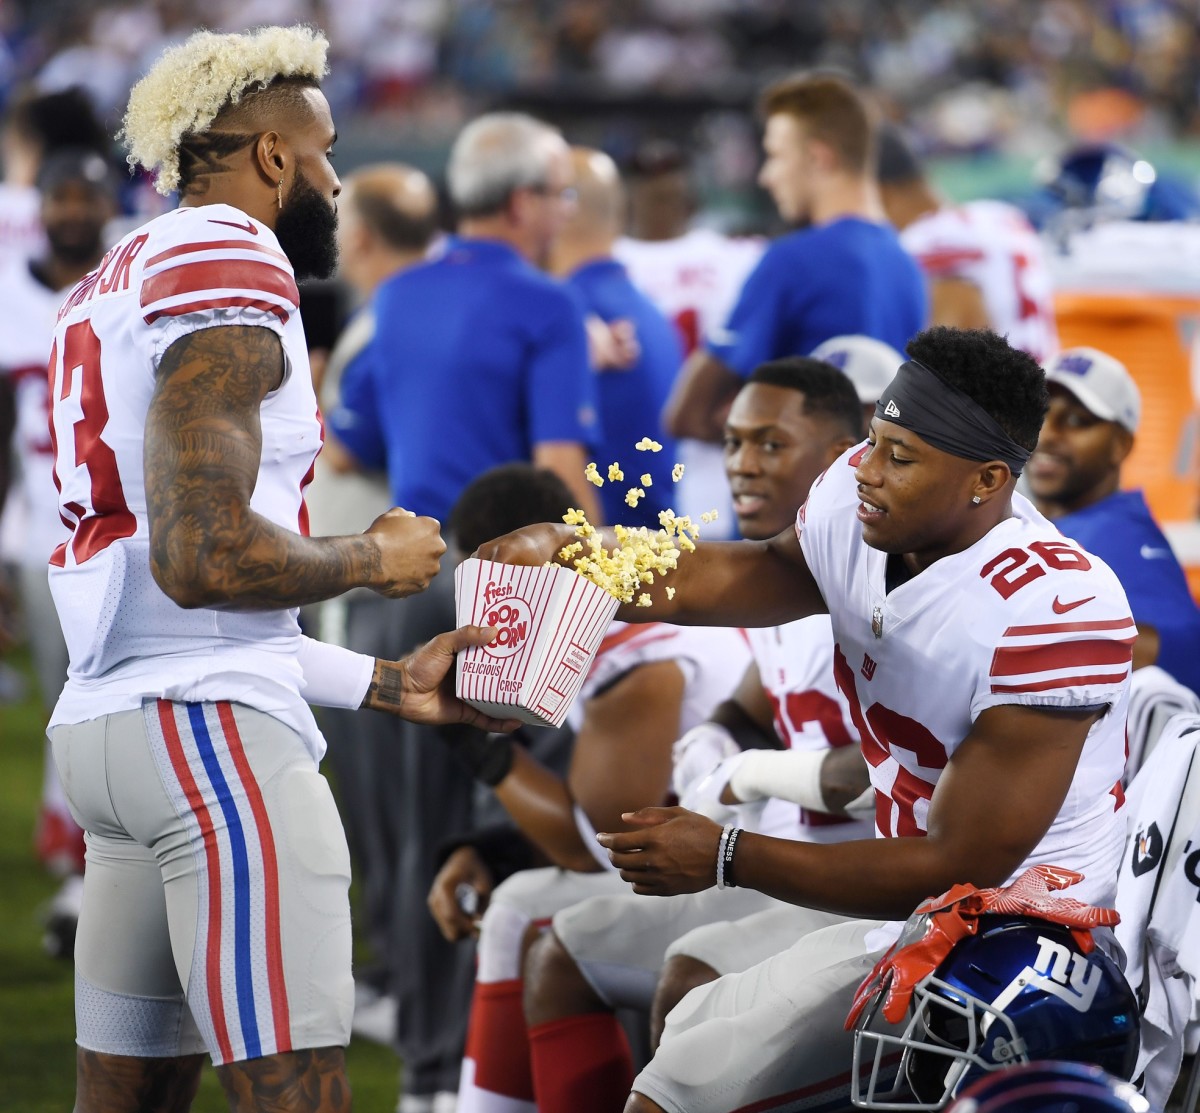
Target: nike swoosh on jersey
pixel 1149 552
pixel 1062 608
pixel 247 227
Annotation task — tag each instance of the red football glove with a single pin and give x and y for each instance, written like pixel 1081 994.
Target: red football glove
pixel 940 922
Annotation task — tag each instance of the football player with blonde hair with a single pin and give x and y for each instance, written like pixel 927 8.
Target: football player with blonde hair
pixel 215 912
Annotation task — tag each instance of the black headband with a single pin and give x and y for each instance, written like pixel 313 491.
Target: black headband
pixel 937 412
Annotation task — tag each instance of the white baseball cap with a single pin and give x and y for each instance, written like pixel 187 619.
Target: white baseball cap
pixel 1100 382
pixel 869 364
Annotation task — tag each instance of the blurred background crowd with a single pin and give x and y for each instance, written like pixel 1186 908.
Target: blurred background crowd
pixel 1004 81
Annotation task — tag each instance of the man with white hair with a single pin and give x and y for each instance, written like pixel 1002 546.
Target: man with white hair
pixel 215 910
pixel 481 359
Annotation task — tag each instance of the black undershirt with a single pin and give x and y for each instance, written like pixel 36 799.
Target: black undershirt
pixel 897 573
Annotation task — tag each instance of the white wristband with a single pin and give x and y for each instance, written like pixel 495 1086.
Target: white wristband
pixel 793 775
pixel 333 676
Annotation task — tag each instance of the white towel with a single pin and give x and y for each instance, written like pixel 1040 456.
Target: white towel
pixel 1154 697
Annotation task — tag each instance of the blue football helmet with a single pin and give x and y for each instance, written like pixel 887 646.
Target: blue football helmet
pixel 1019 990
pixel 1110 181
pixel 1051 1087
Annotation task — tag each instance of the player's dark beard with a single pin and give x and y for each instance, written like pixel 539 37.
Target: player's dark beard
pixel 307 231
pixel 76 243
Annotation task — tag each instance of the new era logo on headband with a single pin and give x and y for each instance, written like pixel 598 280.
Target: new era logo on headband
pixel 891 409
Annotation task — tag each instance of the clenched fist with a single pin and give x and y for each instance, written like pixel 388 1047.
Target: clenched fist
pixel 410 552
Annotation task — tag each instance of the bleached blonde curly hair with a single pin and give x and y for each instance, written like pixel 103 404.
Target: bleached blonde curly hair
pixel 191 83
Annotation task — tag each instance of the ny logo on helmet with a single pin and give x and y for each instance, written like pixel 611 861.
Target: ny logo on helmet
pixel 1057 970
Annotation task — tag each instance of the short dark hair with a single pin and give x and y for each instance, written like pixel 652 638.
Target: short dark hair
pixel 831 110
pixel 1006 382
pixel 504 499
pixel 66 118
pixel 827 391
pixel 237 125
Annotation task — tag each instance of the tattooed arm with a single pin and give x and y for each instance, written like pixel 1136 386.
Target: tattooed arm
pixel 201 460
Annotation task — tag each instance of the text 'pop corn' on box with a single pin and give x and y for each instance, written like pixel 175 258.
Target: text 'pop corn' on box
pixel 551 622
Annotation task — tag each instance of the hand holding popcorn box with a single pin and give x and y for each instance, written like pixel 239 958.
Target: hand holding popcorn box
pixel 551 621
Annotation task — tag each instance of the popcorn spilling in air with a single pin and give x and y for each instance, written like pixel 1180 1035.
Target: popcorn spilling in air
pixel 640 553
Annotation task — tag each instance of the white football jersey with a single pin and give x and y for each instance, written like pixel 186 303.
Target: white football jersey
pixel 1023 616
pixel 189 269
pixel 21 234
pixel 993 246
pixel 28 309
pixel 712 660
pixel 795 665
pixel 695 280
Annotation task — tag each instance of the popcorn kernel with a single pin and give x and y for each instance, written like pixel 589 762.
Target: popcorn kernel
pixel 647 479
pixel 615 474
pixel 632 496
pixel 644 599
pixel 677 472
pixel 670 593
pixel 648 445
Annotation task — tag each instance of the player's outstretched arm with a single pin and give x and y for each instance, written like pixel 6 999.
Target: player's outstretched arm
pixel 202 451
pixel 722 583
pixel 995 800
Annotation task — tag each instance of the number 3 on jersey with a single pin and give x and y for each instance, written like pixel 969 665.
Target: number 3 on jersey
pixel 101 516
pixel 1012 569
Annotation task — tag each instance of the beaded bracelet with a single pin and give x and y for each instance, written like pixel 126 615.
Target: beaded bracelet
pixel 727 866
pixel 725 833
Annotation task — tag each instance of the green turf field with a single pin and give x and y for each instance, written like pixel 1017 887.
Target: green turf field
pixel 37 1052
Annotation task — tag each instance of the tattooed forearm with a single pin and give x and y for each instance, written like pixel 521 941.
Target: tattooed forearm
pixel 386 690
pixel 106 1082
pixel 202 451
pixel 312 1081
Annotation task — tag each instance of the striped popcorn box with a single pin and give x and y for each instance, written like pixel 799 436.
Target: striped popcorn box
pixel 551 622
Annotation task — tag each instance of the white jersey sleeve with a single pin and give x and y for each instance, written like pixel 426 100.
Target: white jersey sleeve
pixel 1023 616
pixel 222 269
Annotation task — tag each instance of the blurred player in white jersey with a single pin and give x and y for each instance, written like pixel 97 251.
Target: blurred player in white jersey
pixel 694 275
pixel 986 661
pixel 77 190
pixel 984 262
pixel 648 684
pixel 185 428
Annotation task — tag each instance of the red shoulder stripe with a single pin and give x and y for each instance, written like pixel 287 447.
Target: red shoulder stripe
pixel 1070 627
pixel 215 245
pixel 1021 660
pixel 218 303
pixel 218 278
pixel 1062 682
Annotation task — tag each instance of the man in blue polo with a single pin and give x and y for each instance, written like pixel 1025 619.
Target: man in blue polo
pixel 1075 476
pixel 630 391
pixel 479 359
pixel 845 273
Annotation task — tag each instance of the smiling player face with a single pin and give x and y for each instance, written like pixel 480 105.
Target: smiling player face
pixel 773 453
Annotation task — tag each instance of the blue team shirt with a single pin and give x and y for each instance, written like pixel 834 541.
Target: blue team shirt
pixel 631 400
pixel 847 277
pixel 477 357
pixel 1122 533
